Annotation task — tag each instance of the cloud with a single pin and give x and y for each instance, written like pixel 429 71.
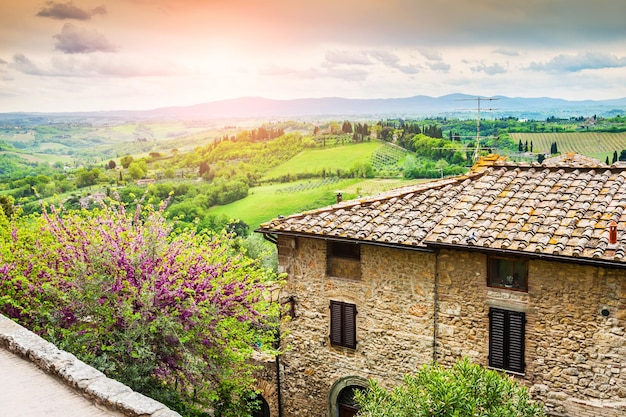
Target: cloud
pixel 438 66
pixel 392 60
pixel 84 66
pixel 76 40
pixel 506 52
pixel 23 64
pixel 490 69
pixel 386 57
pixel 3 62
pixel 62 11
pixel 346 74
pixel 579 62
pixel 430 55
pixel 347 58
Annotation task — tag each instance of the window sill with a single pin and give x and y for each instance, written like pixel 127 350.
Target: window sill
pixel 346 278
pixel 506 371
pixel 343 349
pixel 497 287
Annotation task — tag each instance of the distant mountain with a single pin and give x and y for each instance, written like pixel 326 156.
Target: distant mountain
pixel 453 105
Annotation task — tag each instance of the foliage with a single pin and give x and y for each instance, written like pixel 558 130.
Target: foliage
pixel 465 390
pixel 175 317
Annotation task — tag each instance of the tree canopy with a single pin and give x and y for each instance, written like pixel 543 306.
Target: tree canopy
pixel 465 390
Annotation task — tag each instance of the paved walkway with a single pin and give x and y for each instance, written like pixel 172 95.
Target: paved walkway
pixel 27 391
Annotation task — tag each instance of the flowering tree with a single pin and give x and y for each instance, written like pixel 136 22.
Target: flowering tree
pixel 176 317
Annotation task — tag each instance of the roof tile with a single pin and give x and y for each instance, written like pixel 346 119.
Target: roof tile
pixel 562 208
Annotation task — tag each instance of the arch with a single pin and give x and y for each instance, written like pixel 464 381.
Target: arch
pixel 264 408
pixel 339 386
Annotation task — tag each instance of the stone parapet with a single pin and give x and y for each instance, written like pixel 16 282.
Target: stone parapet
pixel 85 380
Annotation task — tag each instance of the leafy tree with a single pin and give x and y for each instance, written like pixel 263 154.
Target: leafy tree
pixel 111 164
pixel 136 171
pixel 176 317
pixel 125 161
pixel 465 390
pixel 7 208
pixel 334 128
pixel 85 178
pixel 614 157
pixel 169 173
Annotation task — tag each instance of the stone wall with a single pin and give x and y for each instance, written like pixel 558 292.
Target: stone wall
pixel 106 393
pixel 394 300
pixel 575 356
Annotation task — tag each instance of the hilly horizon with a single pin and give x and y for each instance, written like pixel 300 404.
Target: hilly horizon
pixel 451 105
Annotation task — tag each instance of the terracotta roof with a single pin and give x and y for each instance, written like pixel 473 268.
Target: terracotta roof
pixel 561 208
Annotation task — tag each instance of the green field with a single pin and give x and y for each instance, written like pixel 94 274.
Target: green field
pixel 597 145
pixel 267 202
pixel 329 159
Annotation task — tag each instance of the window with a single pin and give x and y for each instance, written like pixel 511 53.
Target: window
pixel 344 260
pixel 343 324
pixel 507 273
pixel 506 339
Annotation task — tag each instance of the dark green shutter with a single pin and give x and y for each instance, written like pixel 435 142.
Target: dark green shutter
pixel 497 319
pixel 506 339
pixel 516 341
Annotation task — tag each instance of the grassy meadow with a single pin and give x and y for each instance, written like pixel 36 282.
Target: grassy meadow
pixel 267 202
pixel 330 159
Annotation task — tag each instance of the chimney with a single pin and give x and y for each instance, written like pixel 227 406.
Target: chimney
pixel 339 197
pixel 612 233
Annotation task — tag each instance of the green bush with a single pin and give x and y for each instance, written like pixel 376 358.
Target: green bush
pixel 465 390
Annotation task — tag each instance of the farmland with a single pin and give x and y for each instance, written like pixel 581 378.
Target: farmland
pixel 597 145
pixel 314 161
pixel 266 202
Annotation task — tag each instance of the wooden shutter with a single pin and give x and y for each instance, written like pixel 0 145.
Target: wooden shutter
pixel 343 324
pixel 497 320
pixel 349 336
pixel 516 341
pixel 506 339
pixel 335 322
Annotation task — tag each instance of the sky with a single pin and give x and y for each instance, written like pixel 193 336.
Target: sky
pixel 85 55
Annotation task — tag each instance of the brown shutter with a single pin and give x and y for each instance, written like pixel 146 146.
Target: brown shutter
pixel 496 338
pixel 335 322
pixel 516 341
pixel 343 324
pixel 349 338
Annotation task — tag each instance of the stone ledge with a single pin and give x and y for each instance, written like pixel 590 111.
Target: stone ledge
pixel 86 380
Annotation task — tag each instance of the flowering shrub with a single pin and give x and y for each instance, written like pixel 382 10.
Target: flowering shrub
pixel 175 316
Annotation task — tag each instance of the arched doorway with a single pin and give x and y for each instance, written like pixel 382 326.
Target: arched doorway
pixel 263 410
pixel 341 396
pixel 346 406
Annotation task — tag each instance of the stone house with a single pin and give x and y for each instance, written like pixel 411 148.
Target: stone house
pixel 518 267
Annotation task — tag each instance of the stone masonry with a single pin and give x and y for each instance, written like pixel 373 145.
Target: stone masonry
pixel 394 300
pixel 110 396
pixel 574 354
